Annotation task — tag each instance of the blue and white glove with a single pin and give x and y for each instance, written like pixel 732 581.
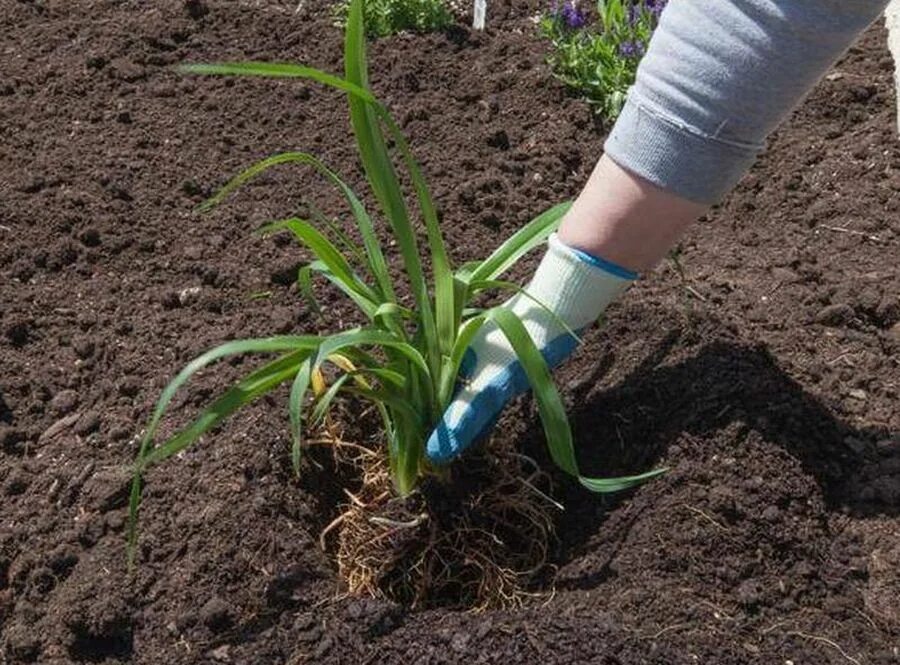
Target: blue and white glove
pixel 576 287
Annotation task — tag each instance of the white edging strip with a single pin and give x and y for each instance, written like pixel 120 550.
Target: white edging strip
pixel 892 22
pixel 480 10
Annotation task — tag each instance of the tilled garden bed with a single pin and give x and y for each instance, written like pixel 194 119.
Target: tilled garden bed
pixel 768 381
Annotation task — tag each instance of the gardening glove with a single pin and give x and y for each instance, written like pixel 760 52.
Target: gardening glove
pixel 576 287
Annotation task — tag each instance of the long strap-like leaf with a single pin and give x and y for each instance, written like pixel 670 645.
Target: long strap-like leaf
pixel 382 176
pixel 331 258
pixel 262 345
pixel 550 406
pixel 376 262
pixel 365 113
pixel 518 244
pixel 252 386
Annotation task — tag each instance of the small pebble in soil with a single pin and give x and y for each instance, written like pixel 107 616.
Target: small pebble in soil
pixel 193 252
pixel 83 347
pixel 460 642
pixel 91 530
pixel 59 426
pixel 835 315
pixel 107 488
pixel 88 423
pixel 216 614
pixel 188 296
pixel 222 653
pixel 115 521
pixel 64 402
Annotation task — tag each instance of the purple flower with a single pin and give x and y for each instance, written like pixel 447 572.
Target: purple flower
pixel 631 49
pixel 573 17
pixel 641 8
pixel 655 7
pixel 634 14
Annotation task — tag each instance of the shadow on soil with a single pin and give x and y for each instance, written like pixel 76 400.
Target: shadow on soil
pixel 628 429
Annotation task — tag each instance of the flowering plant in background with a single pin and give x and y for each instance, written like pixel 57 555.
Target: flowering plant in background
pixel 570 15
pixel 597 56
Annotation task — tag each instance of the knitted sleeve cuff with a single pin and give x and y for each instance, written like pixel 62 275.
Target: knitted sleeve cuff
pixel 679 158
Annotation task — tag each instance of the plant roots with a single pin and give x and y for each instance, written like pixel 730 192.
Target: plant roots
pixel 478 540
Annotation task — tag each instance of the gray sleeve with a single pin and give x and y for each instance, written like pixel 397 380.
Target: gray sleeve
pixel 718 77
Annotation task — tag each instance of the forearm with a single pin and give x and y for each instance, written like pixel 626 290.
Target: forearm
pixel 718 77
pixel 626 219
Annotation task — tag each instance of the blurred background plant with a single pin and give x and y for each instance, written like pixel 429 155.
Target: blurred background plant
pixel 388 17
pixel 596 53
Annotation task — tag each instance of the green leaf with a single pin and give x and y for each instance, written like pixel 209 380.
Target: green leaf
pixel 323 403
pixel 408 458
pixel 344 241
pixel 277 70
pixel 388 377
pixel 365 113
pixel 248 389
pixel 367 337
pixel 364 303
pixel 550 406
pixel 331 257
pixel 364 117
pixel 520 243
pixel 254 385
pixel 445 294
pixel 328 346
pixel 389 400
pixel 607 485
pixel 262 345
pixel 477 287
pixel 304 283
pixel 377 265
pixel 295 408
pixel 467 333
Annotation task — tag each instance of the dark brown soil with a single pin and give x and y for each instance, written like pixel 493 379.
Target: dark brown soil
pixel 770 388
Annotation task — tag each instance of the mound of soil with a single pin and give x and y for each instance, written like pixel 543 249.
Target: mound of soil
pixel 767 382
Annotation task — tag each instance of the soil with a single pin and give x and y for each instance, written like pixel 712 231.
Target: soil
pixel 767 380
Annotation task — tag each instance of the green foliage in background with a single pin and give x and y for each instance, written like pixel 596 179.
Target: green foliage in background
pixel 597 55
pixel 388 17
